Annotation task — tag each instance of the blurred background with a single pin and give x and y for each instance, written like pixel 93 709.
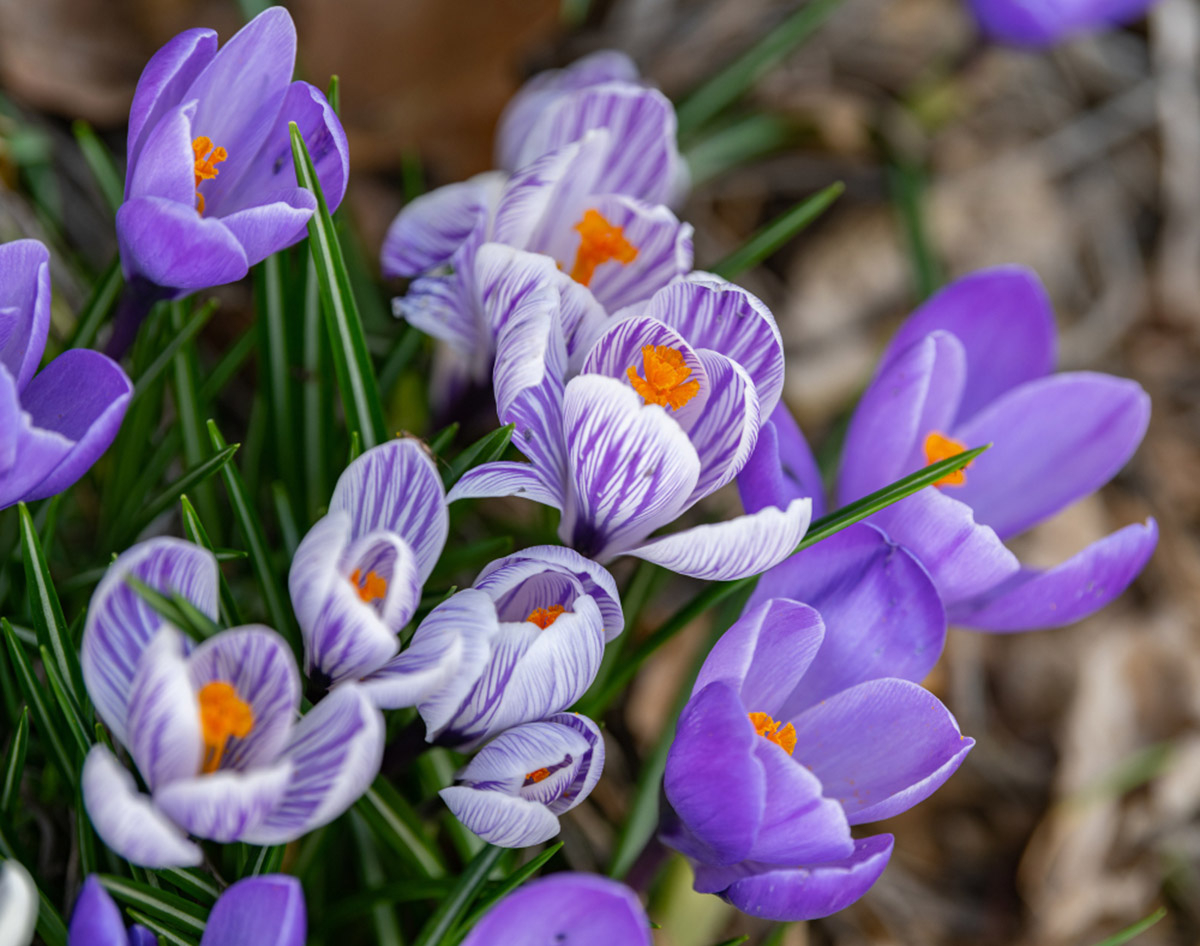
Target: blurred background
pixel 1077 812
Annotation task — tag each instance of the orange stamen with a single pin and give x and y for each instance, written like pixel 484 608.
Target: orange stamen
pixel 223 715
pixel 207 159
pixel 539 775
pixel 372 588
pixel 939 447
pixel 599 243
pixel 666 381
pixel 544 617
pixel 769 729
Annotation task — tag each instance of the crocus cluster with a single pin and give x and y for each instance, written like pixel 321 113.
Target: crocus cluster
pixel 1046 22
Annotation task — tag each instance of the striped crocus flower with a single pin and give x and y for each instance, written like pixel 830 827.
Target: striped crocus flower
pixel 666 411
pixel 214 727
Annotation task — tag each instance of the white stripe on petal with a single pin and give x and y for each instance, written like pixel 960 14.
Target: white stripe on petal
pixel 500 819
pixel 505 478
pixel 225 806
pixel 164 715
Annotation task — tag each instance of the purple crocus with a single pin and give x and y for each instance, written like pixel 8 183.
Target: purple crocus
pixel 356 577
pixel 540 619
pixel 267 910
pixel 974 366
pixel 793 735
pixel 665 412
pixel 212 727
pixel 1046 22
pixel 566 909
pixel 512 792
pixel 54 423
pixel 210 188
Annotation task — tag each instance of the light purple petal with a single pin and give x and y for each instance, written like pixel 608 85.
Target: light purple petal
pixel 396 487
pixel 504 478
pixel 781 468
pixel 335 752
pixel 258 664
pixel 1069 592
pixel 880 747
pixel 664 251
pixel 30 453
pixel 1023 23
pixel 120 624
pixel 1003 319
pixel 633 467
pixel 225 806
pixel 166 163
pixel 882 611
pixel 799 824
pixel 24 308
pixel 267 911
pixel 503 820
pixel 1054 441
pixel 170 244
pixel 128 821
pixel 736 548
pixel 277 222
pixel 428 230
pixel 164 716
pixel 95 920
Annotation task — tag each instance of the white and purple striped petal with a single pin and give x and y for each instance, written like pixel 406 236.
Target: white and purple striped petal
pixel 164 716
pixel 427 232
pixel 225 806
pixel 506 478
pixel 726 429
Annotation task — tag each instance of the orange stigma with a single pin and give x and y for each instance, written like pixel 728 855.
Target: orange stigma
pixel 599 243
pixel 539 775
pixel 207 159
pixel 769 729
pixel 666 382
pixel 544 617
pixel 222 716
pixel 939 447
pixel 371 588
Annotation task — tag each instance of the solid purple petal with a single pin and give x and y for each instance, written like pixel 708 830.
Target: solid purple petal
pixel 1054 441
pixel 120 624
pixel 140 936
pixel 1026 24
pixel 1005 322
pixel 726 429
pixel 24 308
pixel 1034 599
pixel 29 453
pixel 880 747
pixel 164 716
pixel 568 909
pixel 335 752
pixel 505 478
pixel 664 251
pixel 713 779
pixel 257 662
pixel 799 824
pixel 95 920
pixel 170 244
pixel 500 819
pixel 781 468
pixel 277 222
pixel 166 163
pixel 428 230
pixel 881 610
pixel 807 893
pixel 914 395
pixel 736 548
pixel 963 557
pixel 266 911
pixel 128 821
pixel 225 805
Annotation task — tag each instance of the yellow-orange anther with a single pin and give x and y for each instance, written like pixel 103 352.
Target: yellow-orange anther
pixel 538 775
pixel 666 382
pixel 599 243
pixel 939 447
pixel 222 715
pixel 207 159
pixel 544 617
pixel 769 729
pixel 372 588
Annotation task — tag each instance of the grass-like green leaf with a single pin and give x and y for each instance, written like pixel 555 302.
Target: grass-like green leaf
pixel 460 898
pixel 747 139
pixel 275 367
pixel 14 763
pixel 194 529
pixel 185 336
pixel 484 450
pixel 192 881
pixel 394 822
pixel 47 612
pixel 189 481
pixel 907 182
pixel 68 711
pixel 502 890
pixel 351 360
pixel 100 162
pixel 176 609
pixel 95 311
pixel 440 442
pixel 176 912
pixel 166 934
pixel 44 720
pixel 778 232
pixel 1137 929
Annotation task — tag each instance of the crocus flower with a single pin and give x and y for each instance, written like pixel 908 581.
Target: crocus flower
pixel 54 424
pixel 793 735
pixel 974 366
pixel 211 188
pixel 566 909
pixel 666 411
pixel 18 904
pixel 212 727
pixel 543 615
pixel 512 792
pixel 356 577
pixel 267 910
pixel 1046 22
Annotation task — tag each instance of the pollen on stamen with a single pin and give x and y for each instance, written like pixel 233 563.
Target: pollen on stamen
pixel 205 168
pixel 544 617
pixel 373 587
pixel 939 447
pixel 223 716
pixel 666 383
pixel 600 242
pixel 769 729
pixel 537 775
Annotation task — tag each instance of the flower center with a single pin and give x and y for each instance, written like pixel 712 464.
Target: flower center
pixel 599 243
pixel 371 588
pixel 207 159
pixel 544 617
pixel 769 729
pixel 538 775
pixel 666 382
pixel 939 447
pixel 223 715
